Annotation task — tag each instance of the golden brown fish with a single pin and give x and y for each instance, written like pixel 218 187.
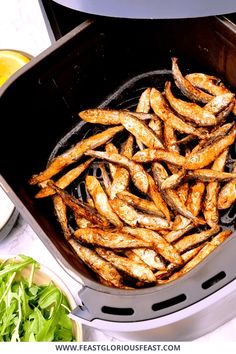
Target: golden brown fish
pixel 61 214
pixel 120 181
pixel 74 154
pixel 189 110
pixel 98 264
pixel 170 138
pixel 126 212
pixel 127 147
pixel 144 205
pixel 170 141
pixel 148 256
pixel 109 116
pixel 160 245
pixel 171 196
pixel 202 254
pixel 174 180
pixel 210 209
pixel 143 106
pixel 194 239
pixel 65 180
pixel 134 218
pixel 121 177
pixel 128 266
pixel 183 191
pixel 176 234
pixel 208 175
pixel 101 116
pixel 106 179
pixel 109 238
pixel 144 101
pixel 185 86
pixel 175 203
pixel 220 103
pixel 156 126
pixel 162 110
pixel 216 133
pixel 208 83
pixel 180 222
pixel 149 155
pixel 111 148
pixel 209 153
pixel 195 196
pixel 81 208
pixel 140 130
pixel 187 256
pixel 157 198
pixel 137 172
pixel 82 222
pixel 227 194
pixel 101 201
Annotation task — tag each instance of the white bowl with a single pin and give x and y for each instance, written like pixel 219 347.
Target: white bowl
pixel 44 276
pixel 8 214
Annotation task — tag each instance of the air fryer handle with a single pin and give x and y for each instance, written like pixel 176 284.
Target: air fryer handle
pixel 108 306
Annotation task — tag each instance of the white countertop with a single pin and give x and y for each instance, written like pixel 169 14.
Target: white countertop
pixel 22 27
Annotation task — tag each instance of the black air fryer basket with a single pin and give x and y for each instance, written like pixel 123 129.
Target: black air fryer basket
pixel 108 63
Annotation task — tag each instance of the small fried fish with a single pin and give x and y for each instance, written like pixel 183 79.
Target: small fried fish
pixel 101 201
pixel 98 264
pixel 144 205
pixel 195 196
pixel 149 155
pixel 189 110
pixel 109 238
pixel 134 218
pixel 176 234
pixel 137 172
pixel 121 178
pixel 209 153
pixel 109 116
pixel 185 86
pixel 81 208
pixel 134 269
pixel 208 175
pixel 227 194
pixel 61 214
pixel 174 180
pixel 74 154
pixel 202 254
pixel 65 180
pixel 160 245
pixel 194 239
pixel 163 111
pixel 157 198
pixel 208 83
pixel 149 257
pixel 144 101
pixel 210 209
pixel 140 130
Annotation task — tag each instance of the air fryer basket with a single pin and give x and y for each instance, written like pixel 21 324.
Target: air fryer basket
pixel 108 63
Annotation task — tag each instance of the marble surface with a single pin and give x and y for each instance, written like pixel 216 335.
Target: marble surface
pixel 22 27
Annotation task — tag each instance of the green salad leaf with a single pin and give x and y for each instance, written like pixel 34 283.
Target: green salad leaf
pixel 29 312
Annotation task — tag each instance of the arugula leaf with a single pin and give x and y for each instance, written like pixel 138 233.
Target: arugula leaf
pixel 15 266
pixel 29 312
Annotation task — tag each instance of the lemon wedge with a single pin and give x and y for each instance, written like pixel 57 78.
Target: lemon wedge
pixel 10 62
